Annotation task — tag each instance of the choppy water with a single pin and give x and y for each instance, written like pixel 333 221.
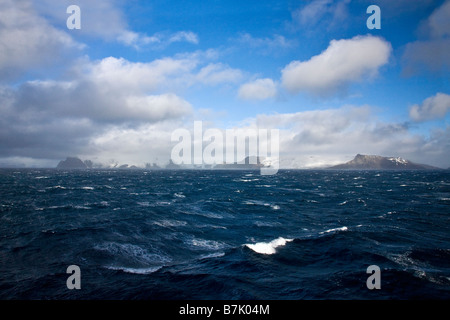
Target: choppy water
pixel 224 234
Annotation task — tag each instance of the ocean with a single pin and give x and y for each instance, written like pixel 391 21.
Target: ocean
pixel 235 235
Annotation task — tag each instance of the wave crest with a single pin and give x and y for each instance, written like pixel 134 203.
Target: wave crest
pixel 268 247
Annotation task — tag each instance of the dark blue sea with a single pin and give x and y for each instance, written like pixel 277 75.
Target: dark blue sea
pixel 189 234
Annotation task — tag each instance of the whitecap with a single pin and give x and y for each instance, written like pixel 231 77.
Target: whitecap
pixel 56 187
pixel 133 253
pixel 261 203
pixel 179 195
pixel 146 270
pixel 82 207
pixel 170 223
pixel 205 244
pixel 335 230
pixel 163 203
pixel 212 255
pixel 268 247
pixel 87 188
pixel 266 224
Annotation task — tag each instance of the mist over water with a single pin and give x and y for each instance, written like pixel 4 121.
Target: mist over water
pixel 189 234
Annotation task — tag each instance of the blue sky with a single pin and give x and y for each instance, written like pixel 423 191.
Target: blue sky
pixel 116 89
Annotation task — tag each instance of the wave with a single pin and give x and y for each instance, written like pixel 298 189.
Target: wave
pixel 132 252
pixel 268 247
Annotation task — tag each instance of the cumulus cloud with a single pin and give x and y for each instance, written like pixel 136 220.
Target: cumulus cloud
pixel 28 41
pixel 434 107
pixel 108 90
pixel 119 73
pixel 259 89
pixel 102 98
pixel 342 63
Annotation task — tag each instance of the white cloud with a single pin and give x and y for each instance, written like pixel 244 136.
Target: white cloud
pixel 312 12
pixel 342 63
pixel 266 45
pixel 439 21
pixel 318 14
pixel 155 107
pixel 111 90
pixel 215 73
pixel 434 107
pixel 105 20
pixel 119 73
pixel 187 36
pixel 259 89
pixel 28 41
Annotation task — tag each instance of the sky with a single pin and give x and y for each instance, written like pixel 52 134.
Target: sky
pixel 114 90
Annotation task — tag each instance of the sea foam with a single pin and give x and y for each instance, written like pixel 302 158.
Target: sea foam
pixel 335 230
pixel 135 270
pixel 268 247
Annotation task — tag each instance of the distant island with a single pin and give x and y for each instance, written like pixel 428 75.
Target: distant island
pixel 245 164
pixel 359 162
pixel 72 163
pixel 373 162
